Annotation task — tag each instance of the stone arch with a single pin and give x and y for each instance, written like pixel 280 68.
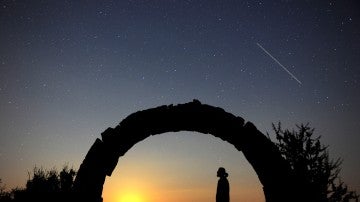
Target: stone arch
pixel 272 170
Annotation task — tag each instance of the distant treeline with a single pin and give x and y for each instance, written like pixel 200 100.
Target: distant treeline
pixel 43 185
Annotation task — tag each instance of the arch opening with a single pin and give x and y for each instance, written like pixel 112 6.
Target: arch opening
pixel 181 166
pixel 272 169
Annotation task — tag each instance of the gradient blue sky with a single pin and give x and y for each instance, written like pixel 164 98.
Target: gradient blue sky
pixel 70 69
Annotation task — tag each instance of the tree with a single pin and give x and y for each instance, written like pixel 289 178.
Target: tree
pixel 43 181
pixel 310 162
pixel 67 179
pixel 47 185
pixel 43 185
pixel 3 193
pixel 5 196
pixel 51 181
pixel 2 189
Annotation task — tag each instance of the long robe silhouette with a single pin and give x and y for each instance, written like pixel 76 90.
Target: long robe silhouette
pixel 223 189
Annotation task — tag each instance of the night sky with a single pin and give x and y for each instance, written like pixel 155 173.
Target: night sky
pixel 71 69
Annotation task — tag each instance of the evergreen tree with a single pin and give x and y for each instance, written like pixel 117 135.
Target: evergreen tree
pixel 310 162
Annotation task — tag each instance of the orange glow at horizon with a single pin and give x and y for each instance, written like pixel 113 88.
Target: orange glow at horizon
pixel 131 197
pixel 163 173
pixel 128 190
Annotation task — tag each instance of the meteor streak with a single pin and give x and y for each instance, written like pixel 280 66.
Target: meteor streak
pixel 272 57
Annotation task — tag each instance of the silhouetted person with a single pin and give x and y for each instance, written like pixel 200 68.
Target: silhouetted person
pixel 223 189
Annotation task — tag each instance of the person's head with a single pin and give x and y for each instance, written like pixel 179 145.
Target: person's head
pixel 221 172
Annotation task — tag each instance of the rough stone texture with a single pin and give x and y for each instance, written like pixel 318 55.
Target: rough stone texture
pixel 273 171
pixel 91 175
